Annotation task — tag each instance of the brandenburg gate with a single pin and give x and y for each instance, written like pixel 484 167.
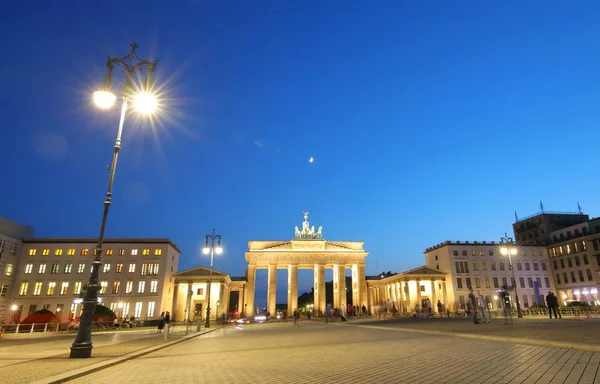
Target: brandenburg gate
pixel 308 250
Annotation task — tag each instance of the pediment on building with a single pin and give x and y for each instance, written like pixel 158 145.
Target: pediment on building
pixel 423 270
pixel 199 271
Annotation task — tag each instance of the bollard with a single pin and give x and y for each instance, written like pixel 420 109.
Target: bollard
pixel 32 326
pixel 57 327
pixel 198 326
pixel 46 327
pixel 17 329
pixel 167 326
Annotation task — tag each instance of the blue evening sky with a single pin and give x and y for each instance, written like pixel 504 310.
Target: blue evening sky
pixel 428 121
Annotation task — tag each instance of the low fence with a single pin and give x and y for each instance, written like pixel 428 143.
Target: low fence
pixel 65 327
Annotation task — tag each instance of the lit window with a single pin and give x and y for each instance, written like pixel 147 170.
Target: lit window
pixel 8 271
pixel 3 290
pixel 58 252
pixel 141 286
pixel 144 271
pixel 155 271
pixel 116 286
pixel 68 267
pixel 153 286
pixel 131 268
pixel 70 251
pixel 138 309
pixel 51 286
pixel 37 288
pixel 134 252
pixel 83 252
pixel 45 252
pixel 77 287
pixel 103 287
pixel 55 268
pixel 106 267
pixel 28 268
pixel 64 288
pixel 109 252
pixel 119 268
pixel 158 252
pixel 129 287
pixel 151 309
pixel 23 288
pixel 32 252
pixel 121 252
pixel 42 268
pixel 146 252
pixel 80 268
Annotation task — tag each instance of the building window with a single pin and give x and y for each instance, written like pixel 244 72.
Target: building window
pixel 8 271
pixel 141 286
pixel 495 280
pixel 68 267
pixel 200 291
pixel 486 281
pixel 64 288
pixel 116 286
pixel 119 268
pixel 459 284
pixel 530 282
pixel 129 286
pixel 577 262
pixel 144 271
pixel 475 267
pixel 154 270
pixel 32 251
pixel 106 267
pixel 121 252
pixel 569 262
pixel 543 266
pixel 150 312
pixel 153 286
pixel 134 252
pixel 109 252
pixel 580 276
pixel 527 268
pixel 32 308
pixel 586 261
pixel 28 268
pixel 131 268
pixel 519 267
pixel 455 253
pixel 491 252
pixel 566 278
pixel 103 287
pixel 45 252
pixel 589 275
pixel 535 266
pixel 70 251
pixel 77 287
pixel 42 268
pixel 583 246
pixel 493 266
pixel 501 266
pixel 468 281
pixel 84 252
pixel 562 263
pixel 138 309
pixel 484 266
pixel 573 279
pixel 477 282
pixel 80 268
pixel 157 252
pixel 547 281
pixel 3 290
pixel 51 287
pixel 37 288
pixel 504 282
pixel 23 288
pixel 58 252
pixel 146 252
pixel 55 268
pixel 522 282
pixel 558 278
pixel 436 258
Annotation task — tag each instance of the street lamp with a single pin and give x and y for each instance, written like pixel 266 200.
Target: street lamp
pixel 13 308
pixel 145 103
pixel 507 248
pixel 212 249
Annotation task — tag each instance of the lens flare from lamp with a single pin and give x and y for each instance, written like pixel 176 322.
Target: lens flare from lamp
pixel 145 103
pixel 14 307
pixel 205 250
pixel 219 250
pixel 104 99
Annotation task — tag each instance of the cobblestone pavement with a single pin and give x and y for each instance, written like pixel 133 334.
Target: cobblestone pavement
pixel 338 353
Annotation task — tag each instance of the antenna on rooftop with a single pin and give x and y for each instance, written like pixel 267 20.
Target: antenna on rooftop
pixel 516 217
pixel 579 208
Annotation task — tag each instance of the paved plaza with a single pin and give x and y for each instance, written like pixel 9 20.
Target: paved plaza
pixel 355 352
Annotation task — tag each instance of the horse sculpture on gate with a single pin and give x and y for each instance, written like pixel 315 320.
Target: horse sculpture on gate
pixel 307 231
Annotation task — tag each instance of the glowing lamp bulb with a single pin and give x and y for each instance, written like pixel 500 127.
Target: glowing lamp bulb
pixel 218 250
pixel 104 99
pixel 145 103
pixel 206 250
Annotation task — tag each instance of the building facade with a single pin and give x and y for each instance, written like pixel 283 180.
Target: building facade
pixel 136 276
pixel 479 265
pixel 537 229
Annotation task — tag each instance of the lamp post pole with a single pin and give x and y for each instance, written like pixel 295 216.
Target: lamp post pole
pixel 211 248
pixel 507 248
pixel 82 346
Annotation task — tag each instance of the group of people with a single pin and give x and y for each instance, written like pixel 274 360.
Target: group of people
pixel 477 305
pixel 165 318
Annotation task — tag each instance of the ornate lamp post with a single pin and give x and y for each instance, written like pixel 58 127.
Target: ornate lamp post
pixel 212 249
pixel 144 103
pixel 507 248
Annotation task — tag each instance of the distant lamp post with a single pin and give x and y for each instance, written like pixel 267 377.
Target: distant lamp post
pixel 212 249
pixel 145 103
pixel 507 248
pixel 13 309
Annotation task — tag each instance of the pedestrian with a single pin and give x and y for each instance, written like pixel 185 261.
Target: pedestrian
pixel 364 310
pixel 552 302
pixel 440 308
pixel 473 305
pixel 505 299
pixel 482 308
pixel 161 322
pixel 168 318
pixel 296 316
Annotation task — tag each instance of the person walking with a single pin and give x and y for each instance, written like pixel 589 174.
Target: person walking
pixel 440 308
pixel 505 298
pixel 473 305
pixel 161 322
pixel 482 308
pixel 552 302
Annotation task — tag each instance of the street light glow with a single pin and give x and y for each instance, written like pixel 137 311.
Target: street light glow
pixel 218 250
pixel 13 307
pixel 145 103
pixel 104 99
pixel 205 250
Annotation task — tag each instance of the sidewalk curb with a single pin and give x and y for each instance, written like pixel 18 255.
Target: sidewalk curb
pixel 76 373
pixel 505 339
